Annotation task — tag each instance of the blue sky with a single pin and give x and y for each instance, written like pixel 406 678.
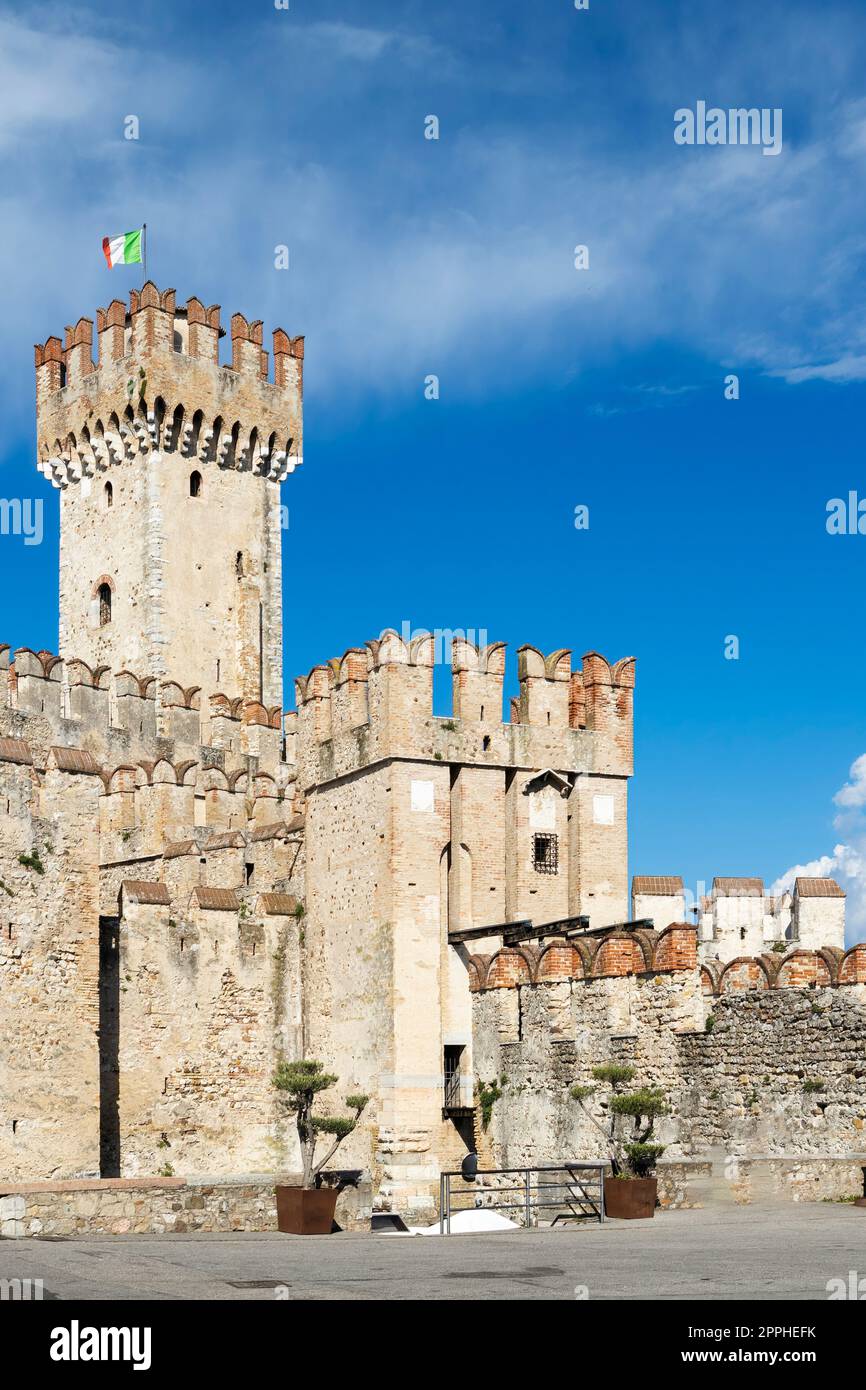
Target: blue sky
pixel 558 387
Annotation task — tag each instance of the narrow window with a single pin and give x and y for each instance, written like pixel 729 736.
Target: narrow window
pixel 195 484
pixel 239 564
pixel 62 374
pixel 452 1077
pixel 248 872
pixel 177 341
pixel 104 604
pixel 109 495
pixel 545 854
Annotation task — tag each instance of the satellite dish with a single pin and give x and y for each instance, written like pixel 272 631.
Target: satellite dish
pixel 469 1167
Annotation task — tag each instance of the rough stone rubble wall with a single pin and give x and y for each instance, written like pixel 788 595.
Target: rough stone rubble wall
pixel 778 1070
pixel 207 1000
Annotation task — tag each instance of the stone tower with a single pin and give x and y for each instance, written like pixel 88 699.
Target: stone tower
pixel 169 466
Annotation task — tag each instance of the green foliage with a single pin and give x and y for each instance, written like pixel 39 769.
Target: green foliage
pixel 327 1124
pixel 166 1171
pixel 780 947
pixel 647 1103
pixel 813 1084
pixel 634 1158
pixel 299 911
pixel 32 861
pixel 488 1094
pixel 449 725
pixel 613 1073
pixel 300 1080
pixel 710 1023
pixel 642 1158
pixel 299 1083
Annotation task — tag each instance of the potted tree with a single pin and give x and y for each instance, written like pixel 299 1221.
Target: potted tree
pixel 632 1190
pixel 308 1210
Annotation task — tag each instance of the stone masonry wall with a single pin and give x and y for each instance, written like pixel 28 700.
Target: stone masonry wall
pixel 760 1070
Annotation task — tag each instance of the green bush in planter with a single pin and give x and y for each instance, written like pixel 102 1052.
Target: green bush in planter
pixel 631 1157
pixel 300 1083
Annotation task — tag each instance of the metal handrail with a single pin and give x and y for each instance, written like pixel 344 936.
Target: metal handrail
pixel 581 1187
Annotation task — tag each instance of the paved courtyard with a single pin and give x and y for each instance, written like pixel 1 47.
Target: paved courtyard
pixel 781 1252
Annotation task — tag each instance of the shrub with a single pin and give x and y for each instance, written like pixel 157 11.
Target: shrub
pixel 300 1083
pixel 634 1157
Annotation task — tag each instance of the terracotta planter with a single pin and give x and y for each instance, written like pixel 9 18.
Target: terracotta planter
pixel 306 1211
pixel 630 1198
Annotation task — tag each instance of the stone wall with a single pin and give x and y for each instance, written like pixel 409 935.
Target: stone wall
pixel 156 1206
pixel 774 1065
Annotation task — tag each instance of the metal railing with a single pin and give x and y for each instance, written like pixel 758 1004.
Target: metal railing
pixel 569 1191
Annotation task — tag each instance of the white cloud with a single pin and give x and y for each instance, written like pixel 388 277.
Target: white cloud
pixel 847 863
pixel 853 794
pixel 454 258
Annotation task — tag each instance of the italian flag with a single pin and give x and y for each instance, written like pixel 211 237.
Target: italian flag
pixel 122 250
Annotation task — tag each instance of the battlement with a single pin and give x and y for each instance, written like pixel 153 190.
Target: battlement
pixel 377 701
pixel 157 385
pixel 620 953
pixel 49 700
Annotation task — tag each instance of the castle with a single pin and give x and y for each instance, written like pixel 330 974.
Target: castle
pixel 198 883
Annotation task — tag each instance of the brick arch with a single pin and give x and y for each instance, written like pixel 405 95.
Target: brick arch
pixel 476 970
pixel 852 967
pixel 676 948
pixel 800 969
pixel 621 953
pixel 508 967
pixel 163 772
pixel 744 973
pixel 172 694
pixel 710 975
pixel 254 713
pixel 123 778
pixel 559 960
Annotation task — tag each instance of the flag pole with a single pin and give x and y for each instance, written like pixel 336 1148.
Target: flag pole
pixel 144 250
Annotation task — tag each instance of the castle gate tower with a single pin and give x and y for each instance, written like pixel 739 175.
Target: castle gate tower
pixel 169 467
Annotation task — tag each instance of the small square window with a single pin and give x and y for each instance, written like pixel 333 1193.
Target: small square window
pixel 545 854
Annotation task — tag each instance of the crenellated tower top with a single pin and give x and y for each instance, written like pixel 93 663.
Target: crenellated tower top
pixel 157 384
pixel 169 467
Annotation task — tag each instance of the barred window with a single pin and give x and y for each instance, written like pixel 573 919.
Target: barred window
pixel 545 854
